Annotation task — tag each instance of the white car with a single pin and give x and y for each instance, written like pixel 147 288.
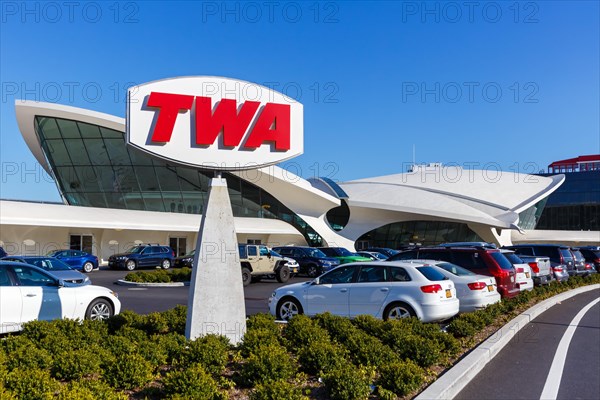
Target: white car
pixel 384 290
pixel 474 291
pixel 524 276
pixel 29 293
pixel 373 255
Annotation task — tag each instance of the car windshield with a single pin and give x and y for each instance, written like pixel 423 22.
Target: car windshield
pixel 513 258
pixel 455 269
pixel 316 253
pixel 276 254
pixel 53 253
pixel 578 255
pixel 344 252
pixel 501 260
pixel 191 253
pixel 49 264
pixel 431 273
pixel 566 254
pixel 135 249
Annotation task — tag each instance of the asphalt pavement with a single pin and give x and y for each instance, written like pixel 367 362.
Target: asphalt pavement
pixel 147 300
pixel 521 370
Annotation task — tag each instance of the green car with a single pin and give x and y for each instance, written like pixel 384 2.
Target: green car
pixel 343 254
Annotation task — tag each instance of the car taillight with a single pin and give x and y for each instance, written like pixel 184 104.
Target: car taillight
pixel 557 269
pixel 520 270
pixel 588 266
pixel 431 288
pixel 597 260
pixel 476 285
pixel 173 253
pixel 534 267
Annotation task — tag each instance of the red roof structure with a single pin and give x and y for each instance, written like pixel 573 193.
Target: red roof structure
pixel 577 164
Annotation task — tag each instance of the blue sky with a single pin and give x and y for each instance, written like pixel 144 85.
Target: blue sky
pixel 506 84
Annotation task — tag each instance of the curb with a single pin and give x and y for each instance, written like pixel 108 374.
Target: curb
pixel 458 377
pixel 138 284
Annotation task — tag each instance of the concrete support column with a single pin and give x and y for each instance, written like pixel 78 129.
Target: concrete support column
pixel 216 302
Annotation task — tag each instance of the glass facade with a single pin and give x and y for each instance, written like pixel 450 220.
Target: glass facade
pixel 94 167
pixel 426 233
pixel 529 218
pixel 575 205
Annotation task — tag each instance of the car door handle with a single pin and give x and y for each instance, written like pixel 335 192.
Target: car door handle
pixel 30 295
pixel 343 290
pixel 384 289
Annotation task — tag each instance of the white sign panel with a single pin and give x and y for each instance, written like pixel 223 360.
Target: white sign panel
pixel 214 123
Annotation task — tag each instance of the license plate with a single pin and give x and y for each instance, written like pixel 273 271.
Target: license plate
pixel 527 274
pixel 490 288
pixel 448 293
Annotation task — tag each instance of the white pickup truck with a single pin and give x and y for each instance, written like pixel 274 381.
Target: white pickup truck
pixel 258 261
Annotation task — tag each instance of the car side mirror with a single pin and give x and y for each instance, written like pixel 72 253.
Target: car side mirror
pixel 269 254
pixel 60 283
pixel 316 281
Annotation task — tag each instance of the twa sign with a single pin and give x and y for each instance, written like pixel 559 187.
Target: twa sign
pixel 214 123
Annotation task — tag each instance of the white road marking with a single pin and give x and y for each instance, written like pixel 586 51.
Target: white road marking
pixel 552 385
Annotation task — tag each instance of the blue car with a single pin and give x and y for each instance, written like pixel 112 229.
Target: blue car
pixel 53 265
pixel 76 259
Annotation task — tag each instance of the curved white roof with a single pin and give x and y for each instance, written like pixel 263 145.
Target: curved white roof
pixel 487 198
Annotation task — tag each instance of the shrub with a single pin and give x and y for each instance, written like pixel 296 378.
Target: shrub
pixel 175 319
pixel 34 384
pixel 22 354
pixel 348 383
pixel 160 276
pixel 401 377
pixel 461 328
pixel 367 350
pixel 278 390
pixel 267 364
pixel 75 363
pixel 128 371
pixel 193 383
pixel 302 331
pixel 322 357
pixel 370 324
pixel 172 344
pixel 263 321
pixel 255 338
pixel 210 351
pixel 84 388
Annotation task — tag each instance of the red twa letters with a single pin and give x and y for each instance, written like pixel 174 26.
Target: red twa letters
pixel 272 124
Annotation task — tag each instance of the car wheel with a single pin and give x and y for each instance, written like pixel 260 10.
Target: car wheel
pixel 99 309
pixel 283 274
pixel 287 308
pixel 312 271
pixel 130 265
pixel 246 276
pixel 166 264
pixel 398 311
pixel 88 267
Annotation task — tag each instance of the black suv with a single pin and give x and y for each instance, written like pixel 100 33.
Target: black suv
pixel 143 255
pixel 480 260
pixel 592 255
pixel 313 262
pixel 559 255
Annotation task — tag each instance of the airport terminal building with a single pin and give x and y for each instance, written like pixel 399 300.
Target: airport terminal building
pixel 115 196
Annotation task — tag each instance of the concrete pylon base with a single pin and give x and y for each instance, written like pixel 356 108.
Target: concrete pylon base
pixel 216 301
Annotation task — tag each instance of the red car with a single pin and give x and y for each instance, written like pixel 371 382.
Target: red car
pixel 478 259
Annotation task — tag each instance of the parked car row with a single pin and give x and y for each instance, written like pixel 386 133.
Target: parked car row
pixel 414 282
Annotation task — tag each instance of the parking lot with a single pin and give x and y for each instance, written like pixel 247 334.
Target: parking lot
pixel 146 300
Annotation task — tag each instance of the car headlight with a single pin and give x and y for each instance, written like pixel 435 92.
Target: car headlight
pixel 114 294
pixel 326 262
pixel 121 258
pixel 188 260
pixel 274 294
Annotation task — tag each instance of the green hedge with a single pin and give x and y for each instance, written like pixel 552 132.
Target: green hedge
pixel 160 276
pixel 146 356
